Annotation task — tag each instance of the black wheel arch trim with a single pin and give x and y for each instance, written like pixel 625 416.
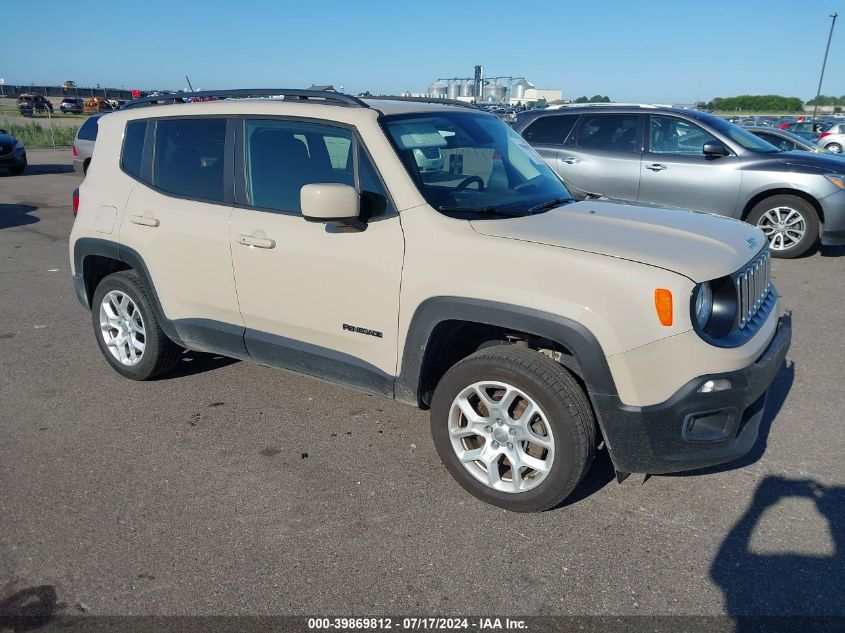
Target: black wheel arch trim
pixel 587 351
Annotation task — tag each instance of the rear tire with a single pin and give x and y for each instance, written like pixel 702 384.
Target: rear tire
pixel 790 223
pixel 498 455
pixel 127 330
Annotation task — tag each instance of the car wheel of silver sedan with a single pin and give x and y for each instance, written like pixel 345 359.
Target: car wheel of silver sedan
pixel 790 223
pixel 513 427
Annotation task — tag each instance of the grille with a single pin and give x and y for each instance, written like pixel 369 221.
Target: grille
pixel 752 287
pixel 5 149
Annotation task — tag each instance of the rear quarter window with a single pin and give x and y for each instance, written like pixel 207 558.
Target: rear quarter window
pixel 88 131
pixel 131 157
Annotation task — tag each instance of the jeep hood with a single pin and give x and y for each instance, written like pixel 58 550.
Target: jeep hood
pixel 701 246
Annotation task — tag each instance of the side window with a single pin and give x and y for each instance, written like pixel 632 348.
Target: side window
pixel 783 144
pixel 609 132
pixel 282 156
pixel 133 147
pixel 88 131
pixel 374 199
pixel 188 157
pixel 668 135
pixel 550 129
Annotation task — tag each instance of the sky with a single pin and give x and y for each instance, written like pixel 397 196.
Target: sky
pixel 659 51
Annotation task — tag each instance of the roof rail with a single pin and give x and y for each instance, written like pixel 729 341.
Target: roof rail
pixel 333 98
pixel 454 102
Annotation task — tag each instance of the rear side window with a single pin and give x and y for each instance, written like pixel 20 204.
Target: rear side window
pixel 133 147
pixel 88 131
pixel 188 158
pixel 283 156
pixel 550 129
pixel 609 132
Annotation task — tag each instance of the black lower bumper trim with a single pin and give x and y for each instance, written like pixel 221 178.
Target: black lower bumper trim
pixel 691 429
pixel 833 238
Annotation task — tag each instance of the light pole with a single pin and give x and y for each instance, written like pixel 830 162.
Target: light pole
pixel 833 16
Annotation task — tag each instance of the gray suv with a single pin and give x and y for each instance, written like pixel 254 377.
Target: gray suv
pixel 693 160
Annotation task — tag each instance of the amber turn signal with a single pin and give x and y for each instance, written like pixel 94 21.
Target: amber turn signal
pixel 663 305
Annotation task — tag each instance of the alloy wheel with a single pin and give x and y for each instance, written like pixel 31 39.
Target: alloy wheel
pixel 122 328
pixel 784 227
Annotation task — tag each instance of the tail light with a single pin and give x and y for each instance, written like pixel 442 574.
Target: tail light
pixel 75 153
pixel 823 134
pixel 782 126
pixel 75 202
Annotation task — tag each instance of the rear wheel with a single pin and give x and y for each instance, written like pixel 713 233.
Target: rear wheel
pixel 789 222
pixel 513 427
pixel 127 331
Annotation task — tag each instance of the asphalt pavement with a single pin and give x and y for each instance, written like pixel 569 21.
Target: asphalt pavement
pixel 230 488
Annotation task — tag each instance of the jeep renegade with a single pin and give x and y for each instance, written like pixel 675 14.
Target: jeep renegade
pixel 315 232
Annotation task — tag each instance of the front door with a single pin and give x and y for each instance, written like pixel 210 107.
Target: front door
pixel 314 298
pixel 676 172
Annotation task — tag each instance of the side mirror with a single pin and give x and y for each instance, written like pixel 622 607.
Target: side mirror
pixel 715 148
pixel 331 203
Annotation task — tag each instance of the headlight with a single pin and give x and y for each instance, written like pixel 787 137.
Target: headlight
pixel 836 179
pixel 703 307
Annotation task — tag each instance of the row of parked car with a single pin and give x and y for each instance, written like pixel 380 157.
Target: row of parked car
pixel 30 105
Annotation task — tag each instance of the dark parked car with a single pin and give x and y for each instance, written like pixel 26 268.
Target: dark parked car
pixel 72 106
pixel 28 105
pixel 785 140
pixel 693 160
pixel 12 154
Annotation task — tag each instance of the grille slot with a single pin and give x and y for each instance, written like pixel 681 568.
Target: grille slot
pixel 753 287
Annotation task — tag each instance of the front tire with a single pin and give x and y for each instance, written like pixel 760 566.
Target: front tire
pixel 790 223
pixel 834 148
pixel 127 331
pixel 513 427
pixel 17 170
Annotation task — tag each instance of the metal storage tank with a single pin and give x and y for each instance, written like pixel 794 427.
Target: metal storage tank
pixel 467 88
pixel 454 89
pixel 437 89
pixel 496 92
pixel 519 87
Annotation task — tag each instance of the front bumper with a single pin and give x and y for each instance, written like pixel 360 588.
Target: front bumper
pixel 13 159
pixel 691 429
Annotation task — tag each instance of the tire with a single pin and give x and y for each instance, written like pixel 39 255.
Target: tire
pixel 17 170
pixel 159 354
pixel 562 419
pixel 834 148
pixel 786 208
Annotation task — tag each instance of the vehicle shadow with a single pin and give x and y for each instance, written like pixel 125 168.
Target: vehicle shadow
pixel 192 363
pixel 785 583
pixel 832 251
pixel 40 170
pixel 16 215
pixel 778 392
pixel 28 609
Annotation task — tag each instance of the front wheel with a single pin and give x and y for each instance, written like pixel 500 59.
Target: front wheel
pixel 17 170
pixel 835 148
pixel 513 427
pixel 789 222
pixel 127 331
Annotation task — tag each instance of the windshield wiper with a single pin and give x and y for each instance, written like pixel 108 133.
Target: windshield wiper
pixel 481 211
pixel 551 203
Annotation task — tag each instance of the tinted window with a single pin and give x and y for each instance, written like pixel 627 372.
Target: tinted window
pixel 669 135
pixel 781 143
pixel 550 129
pixel 611 132
pixel 88 131
pixel 133 147
pixel 189 157
pixel 283 156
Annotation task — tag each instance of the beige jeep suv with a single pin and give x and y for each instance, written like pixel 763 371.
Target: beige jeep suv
pixel 303 232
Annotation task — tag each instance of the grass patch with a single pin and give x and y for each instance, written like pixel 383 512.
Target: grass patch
pixel 33 134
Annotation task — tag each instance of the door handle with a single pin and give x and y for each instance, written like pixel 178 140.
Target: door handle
pixel 258 242
pixel 570 160
pixel 144 220
pixel 656 167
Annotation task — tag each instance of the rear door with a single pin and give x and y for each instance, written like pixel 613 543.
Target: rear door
pixel 676 172
pixel 177 219
pixel 547 135
pixel 603 155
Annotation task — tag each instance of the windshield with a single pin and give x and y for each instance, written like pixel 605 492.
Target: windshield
pixel 467 161
pixel 738 135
